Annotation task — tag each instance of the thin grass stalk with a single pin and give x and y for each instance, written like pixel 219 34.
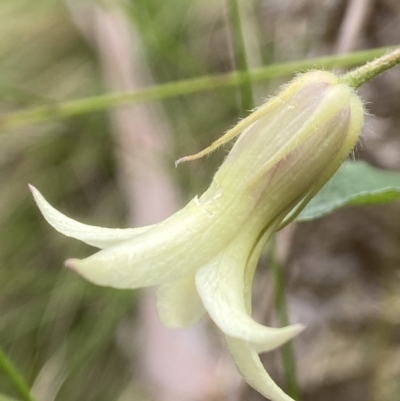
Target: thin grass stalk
pixel 92 104
pixel 246 90
pixel 287 350
pixel 15 377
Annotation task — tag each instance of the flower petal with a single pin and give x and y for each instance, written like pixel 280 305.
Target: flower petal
pixel 221 286
pixel 179 304
pixel 250 367
pixel 96 236
pixel 168 250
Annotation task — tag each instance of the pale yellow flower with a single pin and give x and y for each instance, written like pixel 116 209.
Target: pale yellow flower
pixel 203 258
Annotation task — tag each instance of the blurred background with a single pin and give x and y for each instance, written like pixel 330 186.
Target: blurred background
pixel 72 340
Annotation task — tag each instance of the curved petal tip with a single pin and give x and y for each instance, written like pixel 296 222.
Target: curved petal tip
pixel 277 337
pixel 35 192
pixel 72 264
pixel 297 329
pixel 76 266
pixel 99 237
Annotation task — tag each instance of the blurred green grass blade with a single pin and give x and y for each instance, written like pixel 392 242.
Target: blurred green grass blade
pixel 287 350
pixel 184 87
pixel 246 91
pixel 87 343
pixel 15 377
pixel 355 183
pixel 4 397
pixel 170 47
pixel 20 96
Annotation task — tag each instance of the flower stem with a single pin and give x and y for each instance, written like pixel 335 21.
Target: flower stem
pixel 288 356
pixel 246 90
pixel 366 72
pixel 73 108
pixel 15 377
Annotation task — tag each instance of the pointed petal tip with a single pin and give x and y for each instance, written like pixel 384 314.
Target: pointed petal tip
pixel 290 332
pixel 250 367
pixel 35 192
pixel 72 264
pixel 32 189
pixel 299 328
pixel 76 266
pixel 282 336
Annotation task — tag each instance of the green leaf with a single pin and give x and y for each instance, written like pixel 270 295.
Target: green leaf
pixel 355 183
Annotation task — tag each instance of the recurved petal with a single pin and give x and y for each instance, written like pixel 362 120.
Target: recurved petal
pixel 221 286
pixel 179 304
pixel 165 252
pixel 250 367
pixel 96 236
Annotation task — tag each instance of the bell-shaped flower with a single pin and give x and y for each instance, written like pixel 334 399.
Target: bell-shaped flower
pixel 203 257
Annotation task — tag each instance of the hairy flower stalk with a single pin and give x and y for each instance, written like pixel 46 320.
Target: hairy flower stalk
pixel 203 258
